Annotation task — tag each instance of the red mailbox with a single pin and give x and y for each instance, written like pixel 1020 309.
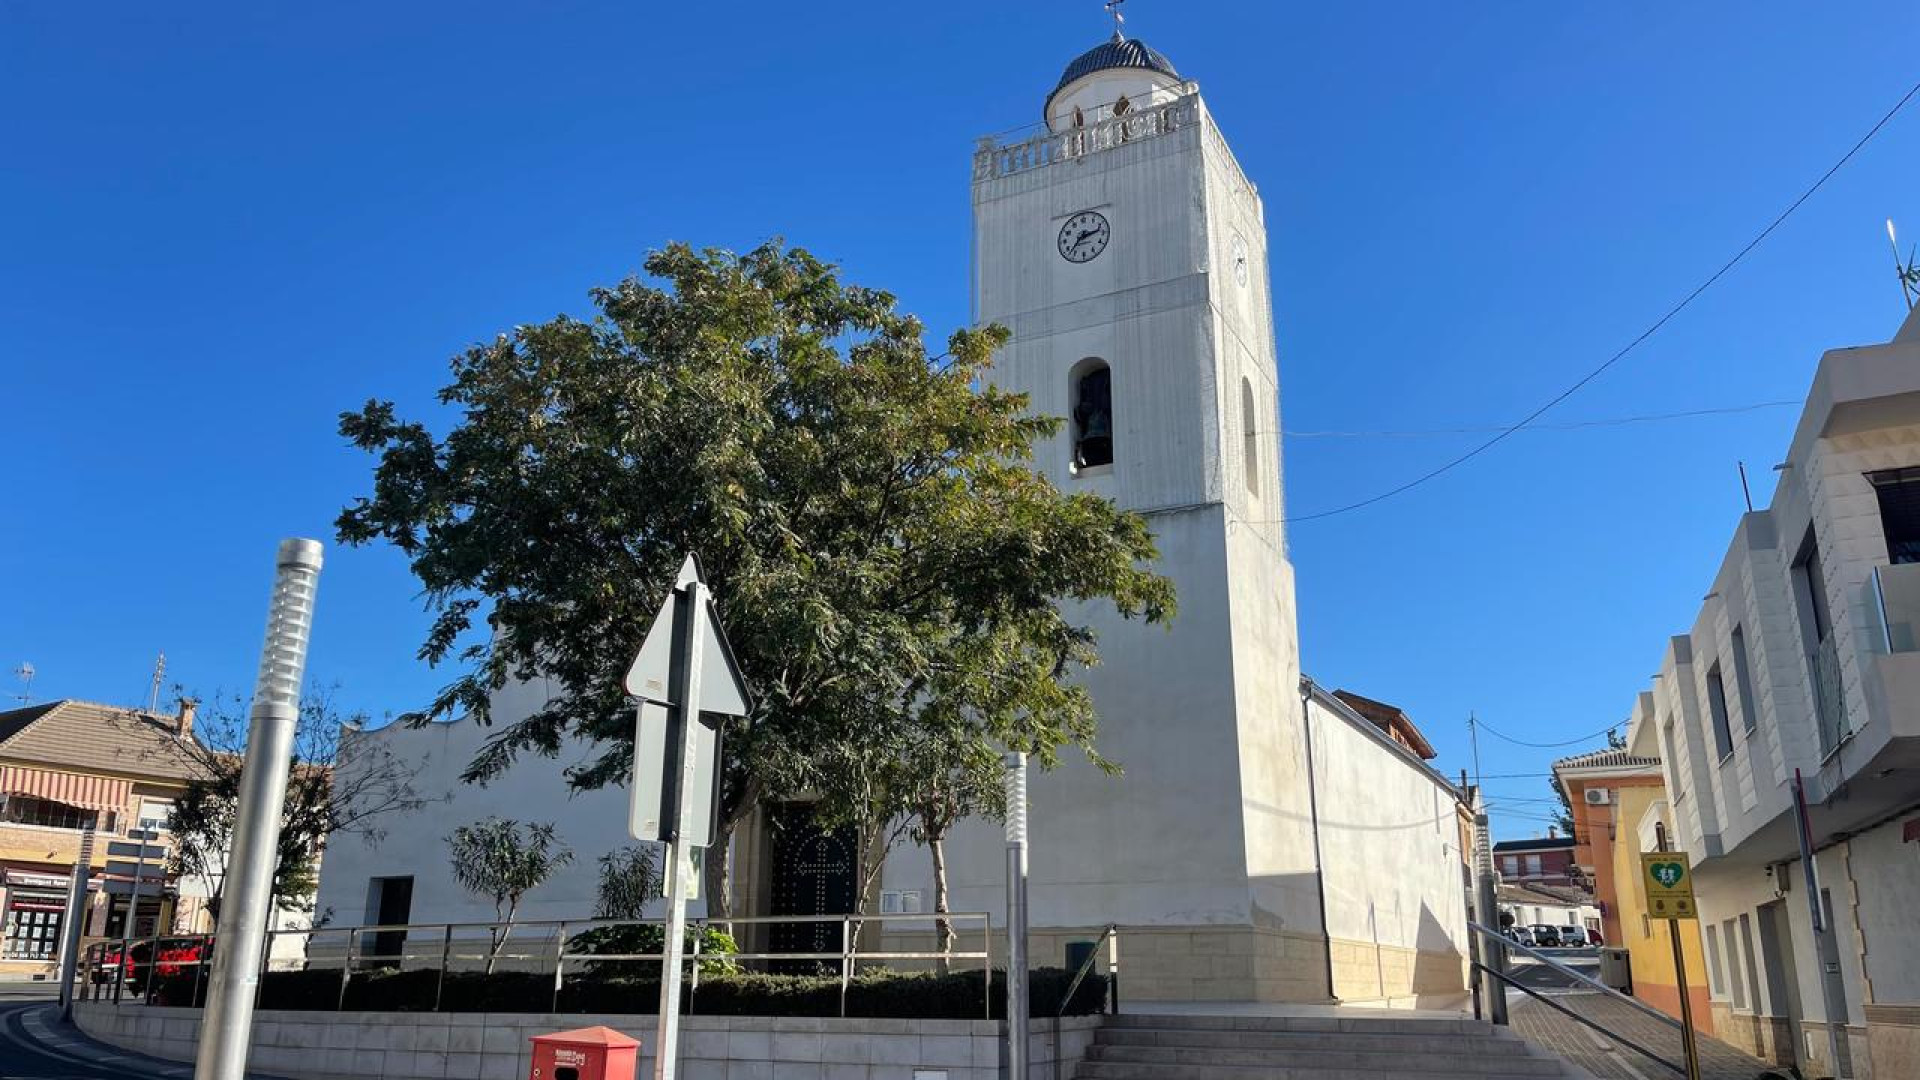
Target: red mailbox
pixel 595 1053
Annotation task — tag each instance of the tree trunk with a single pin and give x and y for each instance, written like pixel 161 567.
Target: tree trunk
pixel 718 872
pixel 717 875
pixel 943 927
pixel 499 934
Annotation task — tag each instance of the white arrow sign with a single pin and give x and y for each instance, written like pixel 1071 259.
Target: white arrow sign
pixel 664 754
pixel 654 673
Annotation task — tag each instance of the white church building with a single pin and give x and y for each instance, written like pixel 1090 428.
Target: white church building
pixel 1266 841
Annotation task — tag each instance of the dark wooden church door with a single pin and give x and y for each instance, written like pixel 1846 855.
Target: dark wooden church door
pixel 813 874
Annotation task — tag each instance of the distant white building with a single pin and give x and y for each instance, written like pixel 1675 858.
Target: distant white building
pixel 1267 841
pixel 1804 661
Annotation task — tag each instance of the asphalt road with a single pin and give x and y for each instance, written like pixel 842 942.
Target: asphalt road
pixel 1532 973
pixel 34 1045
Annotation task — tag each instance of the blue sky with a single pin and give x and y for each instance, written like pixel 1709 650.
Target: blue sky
pixel 223 226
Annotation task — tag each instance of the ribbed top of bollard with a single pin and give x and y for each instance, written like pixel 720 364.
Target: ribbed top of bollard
pixel 299 551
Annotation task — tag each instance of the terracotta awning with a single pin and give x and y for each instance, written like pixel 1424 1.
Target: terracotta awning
pixel 73 789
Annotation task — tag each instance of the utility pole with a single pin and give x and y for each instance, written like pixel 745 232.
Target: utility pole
pixel 1473 734
pixel 1493 948
pixel 1832 989
pixel 227 1022
pixel 1018 1007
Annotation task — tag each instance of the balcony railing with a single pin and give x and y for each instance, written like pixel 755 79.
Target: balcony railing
pixel 1893 601
pixel 1829 699
pixel 992 160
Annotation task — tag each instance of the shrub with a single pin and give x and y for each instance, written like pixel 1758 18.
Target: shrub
pixel 874 993
pixel 649 938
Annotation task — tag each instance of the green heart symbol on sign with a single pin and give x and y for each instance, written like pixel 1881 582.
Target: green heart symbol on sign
pixel 1668 874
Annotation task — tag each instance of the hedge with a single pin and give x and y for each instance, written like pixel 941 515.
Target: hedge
pixel 876 994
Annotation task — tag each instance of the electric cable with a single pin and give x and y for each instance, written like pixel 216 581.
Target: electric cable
pixel 1569 426
pixel 1546 745
pixel 1621 354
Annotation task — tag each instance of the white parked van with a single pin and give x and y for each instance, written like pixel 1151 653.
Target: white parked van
pixel 1573 937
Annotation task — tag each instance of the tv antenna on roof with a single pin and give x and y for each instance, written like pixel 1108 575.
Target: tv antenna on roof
pixel 1908 271
pixel 153 692
pixel 25 672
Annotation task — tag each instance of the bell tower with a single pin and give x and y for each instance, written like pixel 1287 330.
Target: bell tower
pixel 1126 251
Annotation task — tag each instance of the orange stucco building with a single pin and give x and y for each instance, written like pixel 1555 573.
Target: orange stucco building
pixel 1616 797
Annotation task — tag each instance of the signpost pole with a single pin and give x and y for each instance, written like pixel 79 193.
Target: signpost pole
pixel 680 770
pixel 675 787
pixel 1680 977
pixel 139 836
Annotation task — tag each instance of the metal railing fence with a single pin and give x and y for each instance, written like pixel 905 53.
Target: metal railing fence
pixel 1587 1001
pixel 533 946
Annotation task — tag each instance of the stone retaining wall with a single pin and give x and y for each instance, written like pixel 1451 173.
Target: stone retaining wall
pixel 495 1046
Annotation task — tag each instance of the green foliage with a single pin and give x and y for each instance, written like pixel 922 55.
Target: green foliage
pixel 325 798
pixel 648 939
pixel 875 537
pixel 879 993
pixel 629 877
pixel 502 860
pixel 1563 817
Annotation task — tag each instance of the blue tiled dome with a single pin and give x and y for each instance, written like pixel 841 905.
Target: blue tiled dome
pixel 1118 52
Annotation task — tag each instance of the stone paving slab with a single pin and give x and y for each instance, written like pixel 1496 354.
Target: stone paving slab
pixel 1607 1059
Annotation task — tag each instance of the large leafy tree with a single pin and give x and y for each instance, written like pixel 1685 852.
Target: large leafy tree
pixel 876 541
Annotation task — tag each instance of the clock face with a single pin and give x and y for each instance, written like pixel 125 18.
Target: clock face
pixel 1239 246
pixel 1084 237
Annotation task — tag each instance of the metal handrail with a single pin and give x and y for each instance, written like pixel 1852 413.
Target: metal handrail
pixel 1563 969
pixel 1595 1025
pixel 353 955
pixel 1085 967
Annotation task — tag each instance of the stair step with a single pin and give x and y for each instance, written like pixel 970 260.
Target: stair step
pixel 1368 1025
pixel 1290 1041
pixel 1460 1060
pixel 1128 1070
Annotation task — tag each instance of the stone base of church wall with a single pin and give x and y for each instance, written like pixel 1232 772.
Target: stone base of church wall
pixel 1179 963
pixel 1366 973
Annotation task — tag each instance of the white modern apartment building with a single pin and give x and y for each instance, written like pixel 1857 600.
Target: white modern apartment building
pixel 1804 662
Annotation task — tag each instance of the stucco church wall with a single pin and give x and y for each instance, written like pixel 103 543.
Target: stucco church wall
pixel 533 789
pixel 1390 851
pixel 1158 844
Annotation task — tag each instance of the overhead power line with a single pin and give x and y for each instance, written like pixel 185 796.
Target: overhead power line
pixel 1575 425
pixel 1621 354
pixel 1546 745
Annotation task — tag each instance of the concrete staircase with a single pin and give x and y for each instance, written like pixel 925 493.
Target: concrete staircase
pixel 1363 1047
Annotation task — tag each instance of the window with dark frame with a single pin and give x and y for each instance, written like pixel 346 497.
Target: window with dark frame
pixel 1899 493
pixel 1250 436
pixel 1810 582
pixel 1743 682
pixel 27 810
pixel 1717 706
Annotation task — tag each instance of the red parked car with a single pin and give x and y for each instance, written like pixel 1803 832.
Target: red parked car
pixel 176 956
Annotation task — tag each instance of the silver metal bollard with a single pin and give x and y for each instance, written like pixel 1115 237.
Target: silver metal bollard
pixel 1018 1007
pixel 228 1020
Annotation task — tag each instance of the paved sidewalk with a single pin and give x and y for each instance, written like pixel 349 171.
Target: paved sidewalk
pixel 1607 1059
